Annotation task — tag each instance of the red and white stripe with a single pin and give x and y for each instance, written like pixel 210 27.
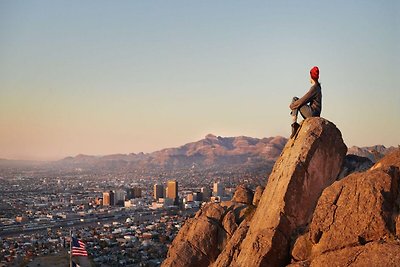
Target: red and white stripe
pixel 79 251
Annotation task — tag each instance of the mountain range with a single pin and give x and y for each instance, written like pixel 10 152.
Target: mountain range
pixel 212 152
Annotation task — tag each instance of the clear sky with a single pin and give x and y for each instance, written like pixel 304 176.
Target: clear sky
pixel 102 77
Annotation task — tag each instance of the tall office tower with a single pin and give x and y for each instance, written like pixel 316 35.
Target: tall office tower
pixel 108 198
pixel 134 192
pixel 119 197
pixel 172 192
pixel 158 191
pixel 206 193
pixel 218 189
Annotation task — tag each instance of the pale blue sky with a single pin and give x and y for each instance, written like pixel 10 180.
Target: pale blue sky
pixel 100 77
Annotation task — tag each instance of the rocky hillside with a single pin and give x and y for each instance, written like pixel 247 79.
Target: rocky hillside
pixel 210 152
pixel 305 216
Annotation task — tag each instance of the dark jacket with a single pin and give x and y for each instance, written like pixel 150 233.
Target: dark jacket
pixel 314 97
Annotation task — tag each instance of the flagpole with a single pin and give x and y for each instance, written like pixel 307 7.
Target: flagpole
pixel 70 248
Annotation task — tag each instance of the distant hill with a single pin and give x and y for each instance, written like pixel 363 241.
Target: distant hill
pixel 210 152
pixel 374 153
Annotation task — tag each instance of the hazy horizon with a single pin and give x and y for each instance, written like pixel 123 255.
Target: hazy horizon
pixel 145 152
pixel 100 77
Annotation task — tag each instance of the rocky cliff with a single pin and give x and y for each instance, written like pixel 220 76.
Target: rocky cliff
pixel 290 222
pixel 319 208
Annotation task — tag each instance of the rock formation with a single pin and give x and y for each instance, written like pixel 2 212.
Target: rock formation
pixel 303 217
pixel 309 162
pixel 257 195
pixel 286 205
pixel 203 237
pixel 243 195
pixel 356 220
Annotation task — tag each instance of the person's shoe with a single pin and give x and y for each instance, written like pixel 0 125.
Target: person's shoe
pixel 295 127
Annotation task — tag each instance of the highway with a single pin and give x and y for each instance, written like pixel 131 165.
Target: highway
pixel 79 221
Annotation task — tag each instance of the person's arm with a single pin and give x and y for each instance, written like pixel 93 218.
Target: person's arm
pixel 305 99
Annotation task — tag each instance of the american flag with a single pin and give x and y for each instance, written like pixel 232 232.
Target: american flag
pixel 78 248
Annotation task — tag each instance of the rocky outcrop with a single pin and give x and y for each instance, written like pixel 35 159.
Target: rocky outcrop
pixel 232 249
pixel 391 160
pixel 350 212
pixel 257 195
pixel 303 217
pixel 243 195
pixel 260 231
pixel 203 237
pixel 372 254
pixel 356 220
pixel 292 191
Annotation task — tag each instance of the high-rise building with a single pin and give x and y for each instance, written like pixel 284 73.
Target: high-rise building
pixel 108 198
pixel 206 193
pixel 158 191
pixel 134 192
pixel 119 197
pixel 218 189
pixel 172 192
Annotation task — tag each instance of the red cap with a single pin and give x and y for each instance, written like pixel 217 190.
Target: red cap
pixel 314 73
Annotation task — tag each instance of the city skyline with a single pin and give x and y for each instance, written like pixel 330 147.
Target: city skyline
pixel 101 78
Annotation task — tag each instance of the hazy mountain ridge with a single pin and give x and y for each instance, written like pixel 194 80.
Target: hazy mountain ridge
pixel 212 151
pixel 374 153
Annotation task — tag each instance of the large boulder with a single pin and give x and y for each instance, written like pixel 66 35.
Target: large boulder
pixel 203 237
pixel 243 195
pixel 310 162
pixel 356 220
pixel 372 254
pixel 355 210
pixel 392 159
pixel 196 243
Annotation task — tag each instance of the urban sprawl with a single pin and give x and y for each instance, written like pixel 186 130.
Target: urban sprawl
pixel 123 221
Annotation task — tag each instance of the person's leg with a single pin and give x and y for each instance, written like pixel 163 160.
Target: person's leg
pixel 295 125
pixel 294 112
pixel 306 111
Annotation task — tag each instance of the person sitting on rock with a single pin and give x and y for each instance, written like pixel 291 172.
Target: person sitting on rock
pixel 310 104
